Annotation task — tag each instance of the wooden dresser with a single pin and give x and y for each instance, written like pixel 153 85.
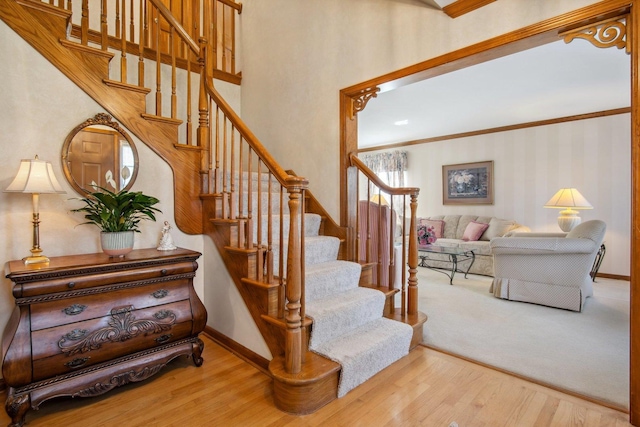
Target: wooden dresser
pixel 85 324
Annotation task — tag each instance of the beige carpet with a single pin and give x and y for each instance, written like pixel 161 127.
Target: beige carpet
pixel 585 352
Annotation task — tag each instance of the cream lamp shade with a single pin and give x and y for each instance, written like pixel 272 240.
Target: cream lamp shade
pixel 35 177
pixel 569 200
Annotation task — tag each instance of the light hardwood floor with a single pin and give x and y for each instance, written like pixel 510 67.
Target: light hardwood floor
pixel 426 388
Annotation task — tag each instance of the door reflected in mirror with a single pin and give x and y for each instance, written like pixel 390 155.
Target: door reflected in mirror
pixel 99 153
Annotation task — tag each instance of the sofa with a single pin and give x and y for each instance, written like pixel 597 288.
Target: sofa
pixel 550 269
pixel 452 233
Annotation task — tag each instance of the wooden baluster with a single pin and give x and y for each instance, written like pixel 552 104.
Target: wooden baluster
pixel 392 263
pixel 223 43
pixel 158 64
pixel 226 201
pixel 142 40
pixel 379 248
pixel 214 37
pixel 172 47
pixel 259 212
pixel 413 259
pixel 249 201
pixel 204 124
pixel 368 224
pixel 293 335
pixel 84 23
pixel 104 27
pixel 232 32
pixel 132 25
pixel 189 123
pixel 270 232
pixel 280 260
pixel 218 182
pixel 117 19
pixel 233 214
pixel 242 222
pixel 123 44
pixel 403 285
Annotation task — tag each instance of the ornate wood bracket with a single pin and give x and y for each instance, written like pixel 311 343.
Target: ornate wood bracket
pixel 359 100
pixel 603 34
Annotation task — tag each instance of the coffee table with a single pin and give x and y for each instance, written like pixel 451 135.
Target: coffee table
pixel 455 255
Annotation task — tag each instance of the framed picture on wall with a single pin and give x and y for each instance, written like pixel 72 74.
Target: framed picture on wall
pixel 468 184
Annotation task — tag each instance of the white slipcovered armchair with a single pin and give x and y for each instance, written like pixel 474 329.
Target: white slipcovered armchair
pixel 547 268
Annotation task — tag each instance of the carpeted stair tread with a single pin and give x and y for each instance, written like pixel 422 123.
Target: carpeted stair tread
pixel 330 278
pixel 343 312
pixel 317 249
pixel 367 350
pixel 311 226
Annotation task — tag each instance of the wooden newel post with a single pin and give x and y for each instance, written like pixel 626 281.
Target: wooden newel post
pixel 203 138
pixel 293 343
pixel 413 259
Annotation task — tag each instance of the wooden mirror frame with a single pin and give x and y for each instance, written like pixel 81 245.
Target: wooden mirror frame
pixel 100 119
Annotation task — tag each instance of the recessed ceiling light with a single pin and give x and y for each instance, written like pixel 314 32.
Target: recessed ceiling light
pixel 401 122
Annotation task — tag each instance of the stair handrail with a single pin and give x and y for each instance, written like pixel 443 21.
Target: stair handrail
pixel 171 20
pixel 409 300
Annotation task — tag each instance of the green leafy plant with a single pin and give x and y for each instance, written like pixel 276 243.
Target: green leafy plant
pixel 120 211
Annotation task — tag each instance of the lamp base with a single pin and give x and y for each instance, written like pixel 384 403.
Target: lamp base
pixel 568 219
pixel 39 259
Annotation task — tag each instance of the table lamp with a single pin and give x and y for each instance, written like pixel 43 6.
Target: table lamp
pixel 568 199
pixel 35 177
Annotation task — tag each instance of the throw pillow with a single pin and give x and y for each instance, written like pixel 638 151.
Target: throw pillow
pixel 437 224
pixel 426 235
pixel 497 228
pixel 473 231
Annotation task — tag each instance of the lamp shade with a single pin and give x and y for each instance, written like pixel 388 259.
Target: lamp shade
pixel 379 198
pixel 36 177
pixel 568 198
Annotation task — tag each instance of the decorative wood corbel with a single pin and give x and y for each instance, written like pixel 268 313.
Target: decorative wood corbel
pixel 359 100
pixel 604 34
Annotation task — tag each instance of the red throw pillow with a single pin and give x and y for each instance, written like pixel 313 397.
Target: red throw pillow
pixel 473 231
pixel 437 224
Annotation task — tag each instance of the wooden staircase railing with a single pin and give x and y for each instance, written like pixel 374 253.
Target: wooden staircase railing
pixel 373 185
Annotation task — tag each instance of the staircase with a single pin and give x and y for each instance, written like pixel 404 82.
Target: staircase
pixel 328 327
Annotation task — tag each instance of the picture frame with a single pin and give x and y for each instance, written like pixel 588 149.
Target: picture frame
pixel 468 183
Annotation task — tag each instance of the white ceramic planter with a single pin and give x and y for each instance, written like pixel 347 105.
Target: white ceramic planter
pixel 117 243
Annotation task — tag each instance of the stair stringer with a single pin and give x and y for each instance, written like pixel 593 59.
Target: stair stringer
pixel 85 67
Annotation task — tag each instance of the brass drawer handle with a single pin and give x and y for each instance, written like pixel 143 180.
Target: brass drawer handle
pixel 76 363
pixel 74 309
pixel 163 338
pixel 160 293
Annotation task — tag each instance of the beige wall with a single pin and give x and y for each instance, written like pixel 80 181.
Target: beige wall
pixel 530 165
pixel 299 54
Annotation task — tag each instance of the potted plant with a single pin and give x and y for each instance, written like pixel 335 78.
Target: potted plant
pixel 118 216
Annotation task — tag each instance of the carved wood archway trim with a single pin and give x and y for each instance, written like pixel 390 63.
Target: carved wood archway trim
pixel 612 32
pixel 359 100
pixel 522 39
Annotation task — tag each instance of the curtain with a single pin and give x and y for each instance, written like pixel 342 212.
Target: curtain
pixel 390 168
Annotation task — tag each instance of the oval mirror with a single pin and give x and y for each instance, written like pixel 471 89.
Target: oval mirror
pixel 99 153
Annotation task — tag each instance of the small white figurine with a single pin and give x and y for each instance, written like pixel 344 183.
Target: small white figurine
pixel 166 241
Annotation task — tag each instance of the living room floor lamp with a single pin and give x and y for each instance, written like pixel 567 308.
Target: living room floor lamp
pixel 568 199
pixel 35 176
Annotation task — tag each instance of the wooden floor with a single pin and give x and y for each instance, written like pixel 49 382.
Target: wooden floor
pixel 426 388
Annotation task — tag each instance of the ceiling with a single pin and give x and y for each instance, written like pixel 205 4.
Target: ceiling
pixel 547 82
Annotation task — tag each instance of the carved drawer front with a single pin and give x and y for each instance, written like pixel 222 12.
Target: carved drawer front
pixel 74 283
pixel 63 349
pixel 70 310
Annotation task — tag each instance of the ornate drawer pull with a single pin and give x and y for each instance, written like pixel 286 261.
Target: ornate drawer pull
pixel 160 293
pixel 76 363
pixel 71 285
pixel 74 309
pixel 163 271
pixel 163 338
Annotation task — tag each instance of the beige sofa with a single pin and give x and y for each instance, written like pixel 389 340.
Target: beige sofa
pixel 454 228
